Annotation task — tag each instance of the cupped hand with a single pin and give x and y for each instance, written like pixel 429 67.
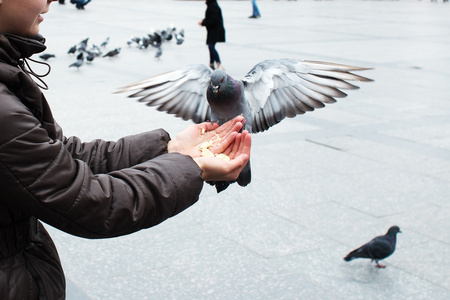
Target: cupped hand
pixel 188 141
pixel 216 169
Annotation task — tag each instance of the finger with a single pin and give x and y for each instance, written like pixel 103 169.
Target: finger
pixel 227 138
pixel 230 125
pixel 246 143
pixel 221 145
pixel 243 145
pixel 235 129
pixel 207 126
pixel 234 148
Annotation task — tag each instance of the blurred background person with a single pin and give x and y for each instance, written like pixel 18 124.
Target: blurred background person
pixel 255 13
pixel 213 22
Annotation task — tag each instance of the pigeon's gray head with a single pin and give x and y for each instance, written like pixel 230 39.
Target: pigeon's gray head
pixel 393 231
pixel 221 85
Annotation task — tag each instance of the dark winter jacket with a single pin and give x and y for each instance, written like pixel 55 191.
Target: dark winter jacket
pixel 98 189
pixel 213 22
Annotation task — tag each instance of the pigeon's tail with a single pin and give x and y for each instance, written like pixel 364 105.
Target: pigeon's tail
pixel 243 180
pixel 220 185
pixel 349 257
pixel 246 176
pixel 361 252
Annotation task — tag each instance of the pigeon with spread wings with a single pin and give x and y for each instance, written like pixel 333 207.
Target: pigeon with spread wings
pixel 273 90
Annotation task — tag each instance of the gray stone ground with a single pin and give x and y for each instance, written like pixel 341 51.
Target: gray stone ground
pixel 323 183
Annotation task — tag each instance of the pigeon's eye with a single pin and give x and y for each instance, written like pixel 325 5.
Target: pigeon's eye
pixel 222 80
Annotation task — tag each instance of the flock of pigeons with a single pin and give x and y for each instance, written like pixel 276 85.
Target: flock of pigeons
pixel 85 53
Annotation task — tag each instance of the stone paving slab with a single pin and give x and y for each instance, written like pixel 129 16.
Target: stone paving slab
pixel 323 183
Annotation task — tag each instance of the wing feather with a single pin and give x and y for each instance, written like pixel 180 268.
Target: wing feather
pixel 181 92
pixel 280 88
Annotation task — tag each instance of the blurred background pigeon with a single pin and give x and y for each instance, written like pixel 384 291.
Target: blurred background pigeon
pixel 72 49
pixel 271 91
pixel 79 62
pixel 46 56
pixel 112 53
pixel 179 37
pixel 105 42
pixel 158 52
pixel 83 45
pixel 90 56
pixel 378 248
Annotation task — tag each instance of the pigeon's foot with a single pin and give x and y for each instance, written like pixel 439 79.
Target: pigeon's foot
pixel 380 266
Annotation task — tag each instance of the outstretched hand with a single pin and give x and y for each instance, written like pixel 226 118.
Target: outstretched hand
pixel 227 140
pixel 216 169
pixel 188 141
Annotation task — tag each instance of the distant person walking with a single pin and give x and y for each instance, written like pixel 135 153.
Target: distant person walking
pixel 213 22
pixel 255 13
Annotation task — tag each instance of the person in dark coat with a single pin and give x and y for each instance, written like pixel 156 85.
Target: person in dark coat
pixel 98 189
pixel 213 22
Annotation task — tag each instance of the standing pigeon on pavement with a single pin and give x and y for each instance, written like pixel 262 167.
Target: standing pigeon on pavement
pixel 272 90
pixel 46 56
pixel 79 62
pixel 112 53
pixel 72 49
pixel 378 248
pixel 158 52
pixel 105 42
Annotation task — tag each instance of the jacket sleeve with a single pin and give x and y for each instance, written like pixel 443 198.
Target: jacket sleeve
pixel 106 156
pixel 39 176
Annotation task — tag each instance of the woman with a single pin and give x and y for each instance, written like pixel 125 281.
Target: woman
pixel 94 190
pixel 213 22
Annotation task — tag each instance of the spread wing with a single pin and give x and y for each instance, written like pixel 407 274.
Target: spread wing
pixel 181 92
pixel 280 88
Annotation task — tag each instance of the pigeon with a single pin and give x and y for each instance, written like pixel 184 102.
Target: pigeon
pixel 72 49
pixel 79 62
pixel 90 56
pixel 112 53
pixel 157 39
pixel 179 37
pixel 145 42
pixel 168 33
pixel 271 91
pixel 158 52
pixel 83 45
pixel 46 56
pixel 85 41
pixel 105 42
pixel 378 248
pixel 95 50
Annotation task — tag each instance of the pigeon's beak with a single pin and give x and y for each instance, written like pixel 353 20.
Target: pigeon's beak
pixel 215 89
